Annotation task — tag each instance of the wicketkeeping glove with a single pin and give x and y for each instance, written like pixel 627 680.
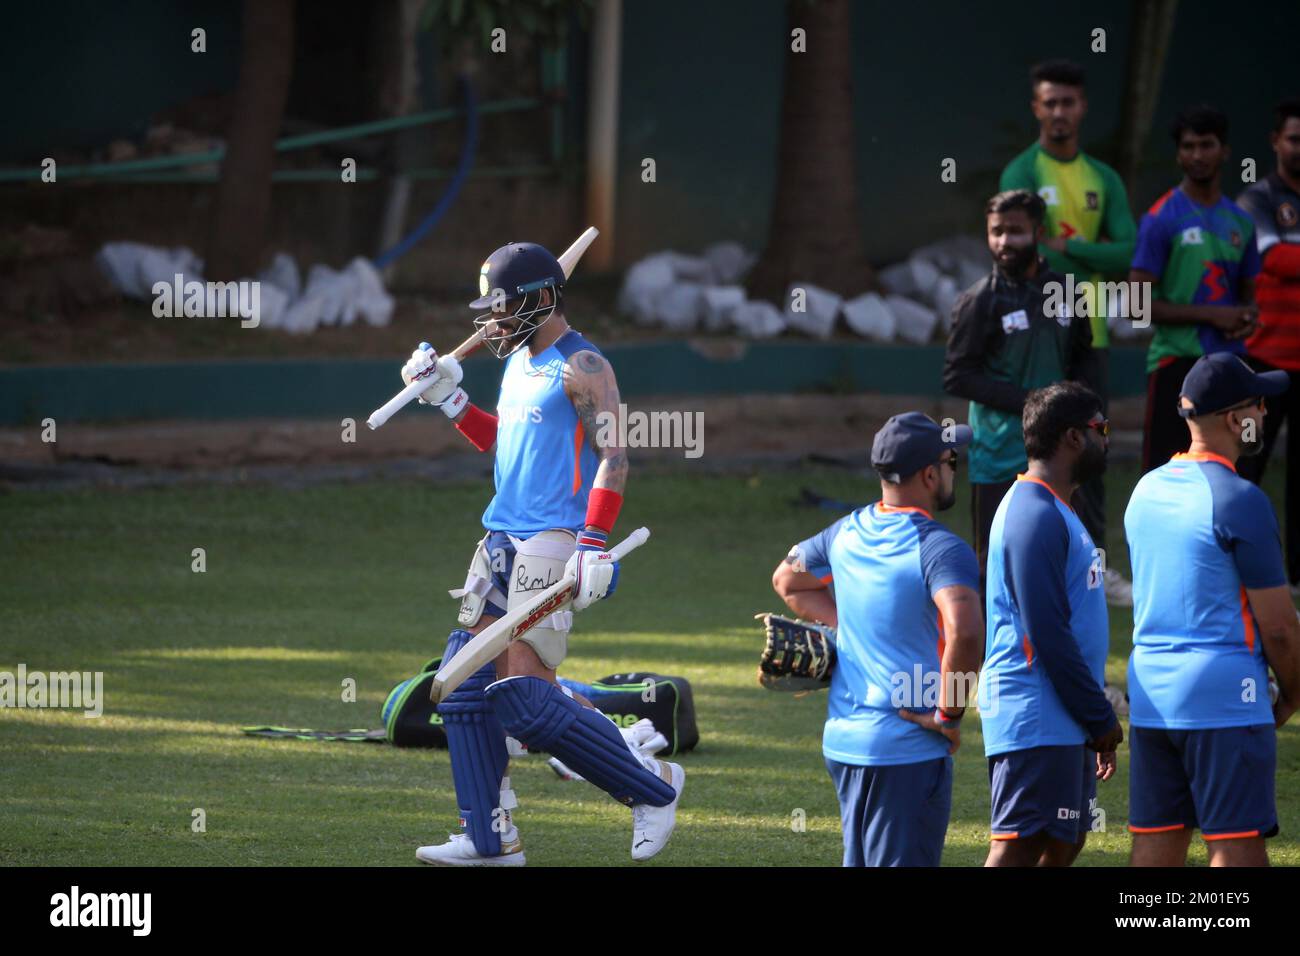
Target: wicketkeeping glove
pixel 798 655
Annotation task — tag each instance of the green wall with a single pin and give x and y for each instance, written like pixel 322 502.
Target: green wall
pixel 354 388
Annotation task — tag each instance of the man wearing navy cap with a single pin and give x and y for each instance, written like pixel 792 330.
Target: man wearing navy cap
pixel 906 606
pixel 1211 613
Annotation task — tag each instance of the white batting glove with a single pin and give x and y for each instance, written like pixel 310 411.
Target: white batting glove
pixel 597 577
pixel 443 374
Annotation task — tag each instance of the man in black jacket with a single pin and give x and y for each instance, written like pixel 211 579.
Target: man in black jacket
pixel 1014 330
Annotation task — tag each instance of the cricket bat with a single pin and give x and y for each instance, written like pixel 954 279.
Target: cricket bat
pixel 568 261
pixel 488 644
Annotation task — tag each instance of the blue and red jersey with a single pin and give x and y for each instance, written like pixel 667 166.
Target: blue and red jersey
pixel 886 564
pixel 544 464
pixel 1199 535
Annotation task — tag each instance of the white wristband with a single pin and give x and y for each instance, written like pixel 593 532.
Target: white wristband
pixel 455 402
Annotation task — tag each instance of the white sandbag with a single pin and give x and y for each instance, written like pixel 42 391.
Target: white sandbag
pixel 719 304
pixel 273 303
pixel 283 274
pixel 642 285
pixel 133 267
pixel 728 262
pixel 916 323
pixel 898 279
pixel 325 287
pixel 679 308
pixel 925 276
pixel 816 312
pixel 869 316
pixel 371 300
pixel 943 297
pixel 758 320
pixel 690 268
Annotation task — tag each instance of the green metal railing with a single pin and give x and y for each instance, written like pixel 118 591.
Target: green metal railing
pixel 155 168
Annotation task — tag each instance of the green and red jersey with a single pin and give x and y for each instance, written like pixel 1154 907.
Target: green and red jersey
pixel 1200 255
pixel 1088 207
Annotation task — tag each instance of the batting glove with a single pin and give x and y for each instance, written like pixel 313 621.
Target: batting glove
pixel 443 374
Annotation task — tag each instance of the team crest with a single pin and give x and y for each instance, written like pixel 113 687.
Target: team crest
pixel 483 286
pixel 1235 239
pixel 1094 201
pixel 1287 215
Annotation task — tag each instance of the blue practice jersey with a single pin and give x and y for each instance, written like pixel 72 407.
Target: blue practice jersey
pixel 1047 629
pixel 544 463
pixel 886 564
pixel 1199 536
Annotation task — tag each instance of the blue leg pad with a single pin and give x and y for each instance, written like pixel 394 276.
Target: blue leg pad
pixel 538 713
pixel 477 743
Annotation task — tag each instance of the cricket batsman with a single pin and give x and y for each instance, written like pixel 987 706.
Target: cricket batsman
pixel 559 487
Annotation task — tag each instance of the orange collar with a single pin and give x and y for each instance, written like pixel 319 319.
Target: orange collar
pixel 1204 456
pixel 1039 481
pixel 890 509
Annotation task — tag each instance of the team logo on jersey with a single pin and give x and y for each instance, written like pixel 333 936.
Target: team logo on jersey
pixel 1191 236
pixel 1017 321
pixel 1287 216
pixel 519 414
pixel 1048 194
pixel 1235 239
pixel 1094 201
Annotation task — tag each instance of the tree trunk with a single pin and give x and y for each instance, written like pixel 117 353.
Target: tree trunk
pixel 1150 25
pixel 815 234
pixel 398 95
pixel 239 232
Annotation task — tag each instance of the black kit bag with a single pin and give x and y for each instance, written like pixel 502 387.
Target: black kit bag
pixel 667 701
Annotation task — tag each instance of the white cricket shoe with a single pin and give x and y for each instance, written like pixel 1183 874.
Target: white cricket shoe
pixel 1119 590
pixel 652 826
pixel 459 851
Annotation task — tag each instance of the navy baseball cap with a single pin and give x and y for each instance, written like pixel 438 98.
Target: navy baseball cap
pixel 1221 380
pixel 517 268
pixel 910 441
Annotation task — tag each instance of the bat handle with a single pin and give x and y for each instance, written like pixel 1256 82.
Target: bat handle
pixel 629 544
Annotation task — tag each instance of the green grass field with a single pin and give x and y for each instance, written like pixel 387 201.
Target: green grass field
pixel 305 588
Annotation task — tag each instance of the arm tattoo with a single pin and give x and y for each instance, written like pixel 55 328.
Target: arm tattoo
pixel 594 393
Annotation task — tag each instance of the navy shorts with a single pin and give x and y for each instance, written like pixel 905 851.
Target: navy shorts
pixel 1052 789
pixel 501 555
pixel 895 815
pixel 1219 779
